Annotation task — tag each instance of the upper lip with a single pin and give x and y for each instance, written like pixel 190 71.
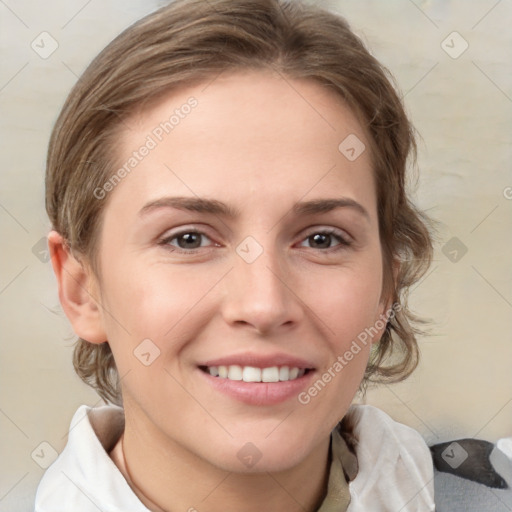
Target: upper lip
pixel 260 361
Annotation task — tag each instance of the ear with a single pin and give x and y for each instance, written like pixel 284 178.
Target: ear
pixel 76 291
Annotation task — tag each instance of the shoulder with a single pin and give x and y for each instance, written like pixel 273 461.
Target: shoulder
pixel 83 477
pixel 395 470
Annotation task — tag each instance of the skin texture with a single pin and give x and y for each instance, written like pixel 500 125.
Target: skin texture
pixel 259 143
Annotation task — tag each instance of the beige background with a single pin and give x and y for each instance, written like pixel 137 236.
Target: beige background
pixel 461 106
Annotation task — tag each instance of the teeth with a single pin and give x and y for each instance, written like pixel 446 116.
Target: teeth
pixel 252 374
pixel 234 372
pixel 284 373
pixel 294 372
pixel 270 374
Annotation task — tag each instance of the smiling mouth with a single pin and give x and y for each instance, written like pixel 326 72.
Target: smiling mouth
pixel 253 374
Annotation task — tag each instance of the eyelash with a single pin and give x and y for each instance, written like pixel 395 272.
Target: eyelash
pixel 344 243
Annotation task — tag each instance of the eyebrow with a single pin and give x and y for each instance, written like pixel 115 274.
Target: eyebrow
pixel 215 207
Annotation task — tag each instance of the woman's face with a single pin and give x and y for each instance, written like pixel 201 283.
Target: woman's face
pixel 244 240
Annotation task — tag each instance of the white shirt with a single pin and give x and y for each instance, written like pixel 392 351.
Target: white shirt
pixel 395 467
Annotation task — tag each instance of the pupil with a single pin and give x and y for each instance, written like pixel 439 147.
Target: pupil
pixel 189 240
pixel 322 240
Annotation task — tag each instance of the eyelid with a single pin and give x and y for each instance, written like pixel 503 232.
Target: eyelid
pixel 169 235
pixel 340 233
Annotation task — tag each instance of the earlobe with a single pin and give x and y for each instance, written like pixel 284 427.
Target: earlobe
pixel 76 293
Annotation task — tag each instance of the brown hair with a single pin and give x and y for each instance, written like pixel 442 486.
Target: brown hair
pixel 190 41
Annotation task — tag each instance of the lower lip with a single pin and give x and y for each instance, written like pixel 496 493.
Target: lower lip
pixel 259 393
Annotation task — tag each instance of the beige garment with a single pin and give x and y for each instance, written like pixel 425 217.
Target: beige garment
pixel 343 469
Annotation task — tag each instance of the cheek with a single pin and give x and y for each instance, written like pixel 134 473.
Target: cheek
pixel 346 301
pixel 151 316
pixel 154 302
pixel 347 314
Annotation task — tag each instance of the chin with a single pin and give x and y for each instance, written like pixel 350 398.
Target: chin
pixel 274 464
pixel 262 456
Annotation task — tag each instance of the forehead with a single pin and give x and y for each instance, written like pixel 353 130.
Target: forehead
pixel 253 135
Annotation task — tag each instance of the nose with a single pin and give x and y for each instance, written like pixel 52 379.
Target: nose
pixel 260 294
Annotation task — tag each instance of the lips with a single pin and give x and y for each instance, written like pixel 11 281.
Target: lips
pixel 258 379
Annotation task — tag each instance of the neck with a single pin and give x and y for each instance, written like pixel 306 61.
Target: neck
pixel 172 481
